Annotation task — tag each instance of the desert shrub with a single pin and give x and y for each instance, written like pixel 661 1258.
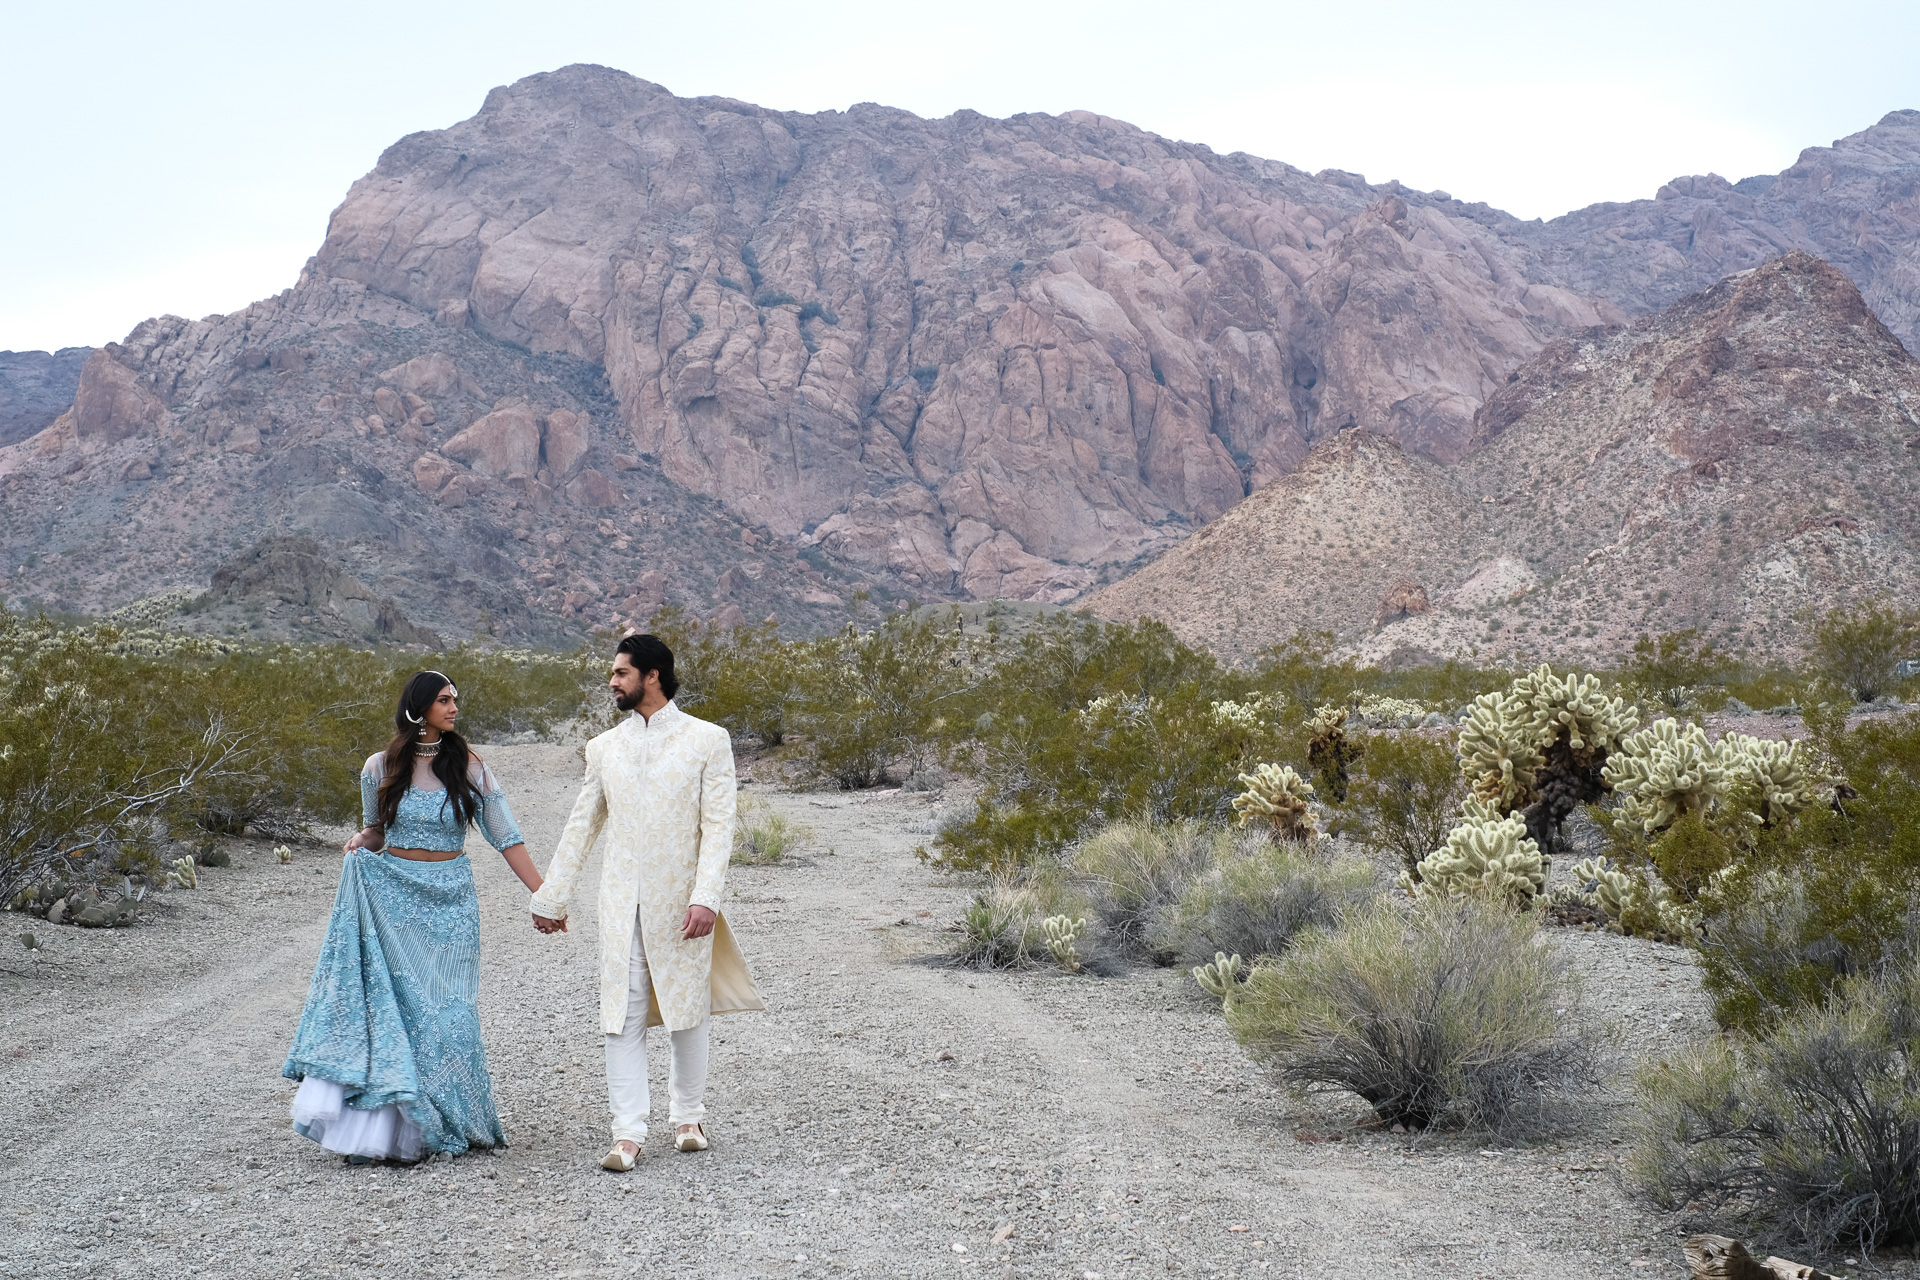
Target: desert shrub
pixel 762 836
pixel 1446 685
pixel 112 739
pixel 1261 894
pixel 1080 722
pixel 1828 894
pixel 874 700
pixel 1136 873
pixel 1408 798
pixel 1811 1129
pixel 1859 650
pixel 774 298
pixel 816 311
pixel 1455 1017
pixel 1303 670
pixel 1677 671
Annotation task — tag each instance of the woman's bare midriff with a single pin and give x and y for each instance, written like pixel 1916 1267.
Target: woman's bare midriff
pixel 426 855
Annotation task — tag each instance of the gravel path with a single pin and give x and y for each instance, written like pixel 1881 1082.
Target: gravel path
pixel 886 1117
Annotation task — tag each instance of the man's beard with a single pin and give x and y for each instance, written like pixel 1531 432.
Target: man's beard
pixel 626 702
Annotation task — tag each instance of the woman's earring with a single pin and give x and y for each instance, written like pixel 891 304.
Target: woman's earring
pixel 412 719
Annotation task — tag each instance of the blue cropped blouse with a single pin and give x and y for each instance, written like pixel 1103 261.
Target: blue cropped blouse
pixel 426 820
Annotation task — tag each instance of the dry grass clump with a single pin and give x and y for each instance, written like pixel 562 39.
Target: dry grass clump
pixel 1136 873
pixel 1261 894
pixel 762 836
pixel 1811 1129
pixel 1005 926
pixel 1455 1016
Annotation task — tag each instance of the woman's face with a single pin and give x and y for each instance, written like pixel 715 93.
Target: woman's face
pixel 444 711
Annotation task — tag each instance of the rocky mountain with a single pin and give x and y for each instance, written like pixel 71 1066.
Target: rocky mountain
pixel 462 486
pixel 35 388
pixel 1728 464
pixel 935 358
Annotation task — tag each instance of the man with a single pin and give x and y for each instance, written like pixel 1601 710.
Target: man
pixel 661 783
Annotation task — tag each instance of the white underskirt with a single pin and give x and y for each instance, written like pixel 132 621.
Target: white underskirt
pixel 320 1112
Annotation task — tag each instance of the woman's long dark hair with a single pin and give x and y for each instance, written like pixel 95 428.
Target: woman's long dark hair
pixel 449 764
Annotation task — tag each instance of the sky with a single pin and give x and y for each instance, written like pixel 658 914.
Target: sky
pixel 185 157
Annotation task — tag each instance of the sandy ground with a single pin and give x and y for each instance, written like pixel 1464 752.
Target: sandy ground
pixel 886 1117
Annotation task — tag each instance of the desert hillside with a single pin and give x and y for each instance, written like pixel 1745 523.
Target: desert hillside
pixel 1725 464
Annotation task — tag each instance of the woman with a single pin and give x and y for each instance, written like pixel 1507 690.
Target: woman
pixel 388 1050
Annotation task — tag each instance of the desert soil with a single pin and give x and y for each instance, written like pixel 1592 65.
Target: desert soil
pixel 886 1117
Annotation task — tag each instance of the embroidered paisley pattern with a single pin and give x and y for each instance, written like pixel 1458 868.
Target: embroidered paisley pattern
pixel 425 820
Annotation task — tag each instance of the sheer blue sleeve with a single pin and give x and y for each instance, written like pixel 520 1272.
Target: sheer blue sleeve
pixel 369 799
pixel 495 818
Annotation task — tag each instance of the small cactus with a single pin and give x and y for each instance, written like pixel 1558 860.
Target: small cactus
pixel 1062 933
pixel 181 874
pixel 1665 771
pixel 1485 857
pixel 1221 979
pixel 1278 794
pixel 283 853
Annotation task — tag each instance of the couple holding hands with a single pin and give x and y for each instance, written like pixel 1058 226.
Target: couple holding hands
pixel 388 1051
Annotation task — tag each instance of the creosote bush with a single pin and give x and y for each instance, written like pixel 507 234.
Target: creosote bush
pixel 1811 1129
pixel 1408 798
pixel 1452 1017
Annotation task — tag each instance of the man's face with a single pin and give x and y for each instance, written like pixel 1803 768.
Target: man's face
pixel 627 683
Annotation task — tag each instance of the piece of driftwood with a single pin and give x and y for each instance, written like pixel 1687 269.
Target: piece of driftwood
pixel 1719 1258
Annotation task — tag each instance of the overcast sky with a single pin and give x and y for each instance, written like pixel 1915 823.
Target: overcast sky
pixel 184 157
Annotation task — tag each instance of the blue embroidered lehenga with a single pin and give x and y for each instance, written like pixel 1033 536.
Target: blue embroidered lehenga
pixel 388 1052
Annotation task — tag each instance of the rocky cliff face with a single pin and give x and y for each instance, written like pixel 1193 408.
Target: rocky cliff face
pixel 35 388
pixel 462 486
pixel 1743 458
pixel 990 356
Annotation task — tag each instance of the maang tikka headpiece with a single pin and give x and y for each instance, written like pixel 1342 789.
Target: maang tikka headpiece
pixel 417 721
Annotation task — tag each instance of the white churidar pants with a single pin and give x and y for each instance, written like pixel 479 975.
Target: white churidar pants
pixel 627 1061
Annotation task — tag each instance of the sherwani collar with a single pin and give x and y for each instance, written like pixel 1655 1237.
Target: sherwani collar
pixel 663 719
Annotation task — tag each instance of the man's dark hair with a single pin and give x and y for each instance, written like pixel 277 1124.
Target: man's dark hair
pixel 650 653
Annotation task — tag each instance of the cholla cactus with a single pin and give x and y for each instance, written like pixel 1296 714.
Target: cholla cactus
pixel 182 875
pixel 1572 707
pixel 283 853
pixel 1379 709
pixel 1221 979
pixel 1609 888
pixel 1485 857
pixel 1246 716
pixel 1665 771
pixel 1497 752
pixel 1062 934
pixel 1776 775
pixel 1278 794
pixel 1328 751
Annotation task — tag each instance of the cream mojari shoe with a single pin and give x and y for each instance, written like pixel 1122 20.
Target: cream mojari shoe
pixel 690 1137
pixel 619 1159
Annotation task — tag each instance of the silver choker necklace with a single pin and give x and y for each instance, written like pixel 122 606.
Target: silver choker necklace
pixel 427 750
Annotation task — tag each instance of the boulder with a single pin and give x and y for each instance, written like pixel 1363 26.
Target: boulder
pixel 431 472
pixel 505 444
pixel 594 489
pixel 111 403
pixel 387 403
pixel 296 571
pixel 432 375
pixel 566 442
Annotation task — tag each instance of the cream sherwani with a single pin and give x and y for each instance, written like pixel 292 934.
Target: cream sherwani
pixel 663 790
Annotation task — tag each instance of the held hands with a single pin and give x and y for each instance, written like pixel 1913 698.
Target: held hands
pixel 699 923
pixel 545 925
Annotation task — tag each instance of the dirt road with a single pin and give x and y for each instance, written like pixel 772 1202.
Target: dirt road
pixel 887 1117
